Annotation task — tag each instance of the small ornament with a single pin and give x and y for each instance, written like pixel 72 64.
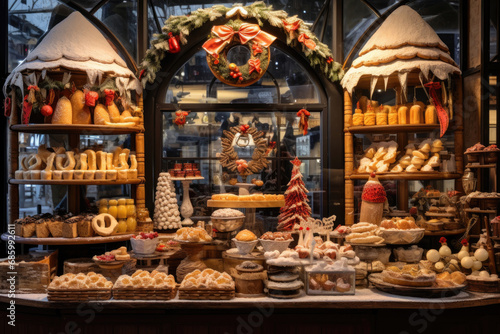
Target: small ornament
pixel 481 254
pixel 292 27
pixel 180 118
pixel 173 43
pixel 254 65
pixel 256 49
pixel 90 98
pixel 329 60
pixel 464 251
pixel 244 128
pixel 304 39
pixel 27 107
pixel 7 106
pixel 31 93
pixel 242 165
pixel 46 110
pixel 109 95
pixel 444 250
pixel 304 120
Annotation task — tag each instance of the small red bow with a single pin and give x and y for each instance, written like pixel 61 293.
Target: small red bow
pixel 304 39
pixel 329 60
pixel 464 242
pixel 110 96
pixel 256 49
pixel 244 128
pixel 180 117
pixel 291 26
pixel 442 240
pixel 254 65
pixel 216 56
pixel 304 120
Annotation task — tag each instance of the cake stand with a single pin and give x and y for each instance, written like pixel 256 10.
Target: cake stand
pixel 186 206
pixel 193 260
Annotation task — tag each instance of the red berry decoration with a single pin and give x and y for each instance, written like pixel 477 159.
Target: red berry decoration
pixel 442 240
pixel 46 110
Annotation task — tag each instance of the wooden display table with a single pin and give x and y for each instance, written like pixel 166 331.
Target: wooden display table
pixel 68 241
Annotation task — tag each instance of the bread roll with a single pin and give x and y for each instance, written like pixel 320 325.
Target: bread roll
pixel 80 112
pixel 402 113
pixel 114 113
pixel 101 115
pixel 63 113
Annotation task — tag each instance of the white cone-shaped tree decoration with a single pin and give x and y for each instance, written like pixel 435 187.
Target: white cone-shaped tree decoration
pixel 167 215
pixel 296 209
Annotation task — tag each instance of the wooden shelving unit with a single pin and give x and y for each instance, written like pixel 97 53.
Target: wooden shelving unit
pixel 74 132
pixel 401 131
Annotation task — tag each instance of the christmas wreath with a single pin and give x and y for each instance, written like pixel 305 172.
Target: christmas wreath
pixel 177 29
pixel 223 38
pixel 229 157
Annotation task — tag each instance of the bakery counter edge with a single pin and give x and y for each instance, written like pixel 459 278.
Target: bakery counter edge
pixel 364 299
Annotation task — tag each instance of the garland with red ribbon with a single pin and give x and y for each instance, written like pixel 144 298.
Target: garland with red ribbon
pixel 223 38
pixel 444 119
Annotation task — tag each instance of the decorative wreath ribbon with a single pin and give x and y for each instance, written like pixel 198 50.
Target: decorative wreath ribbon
pixel 304 120
pixel 442 114
pixel 246 33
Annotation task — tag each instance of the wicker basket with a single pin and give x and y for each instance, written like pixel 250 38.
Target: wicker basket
pixel 144 294
pixel 55 295
pixel 483 286
pixel 33 274
pixel 206 294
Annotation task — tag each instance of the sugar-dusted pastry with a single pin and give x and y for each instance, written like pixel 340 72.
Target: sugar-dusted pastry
pixel 420 154
pixel 80 112
pixel 63 113
pixel 246 235
pixel 430 115
pixel 397 168
pixel 434 161
pixel 437 146
pixel 101 115
pixel 207 279
pixel 192 234
pixel 427 168
pixel 402 115
pixel 80 281
pixel 415 114
pixel 416 161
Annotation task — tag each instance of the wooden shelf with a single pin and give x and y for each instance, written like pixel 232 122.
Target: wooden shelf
pixel 374 129
pixel 187 178
pixel 68 241
pixel 407 176
pixel 444 233
pixel 480 166
pixel 245 204
pixel 77 182
pixel 492 212
pixel 75 128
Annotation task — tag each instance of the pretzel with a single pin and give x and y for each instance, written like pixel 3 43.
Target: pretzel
pixel 37 164
pixel 121 162
pixel 69 161
pixel 24 161
pixel 104 224
pixel 133 161
pixel 116 156
pixel 91 158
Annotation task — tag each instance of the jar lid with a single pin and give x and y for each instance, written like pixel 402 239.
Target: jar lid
pixel 113 202
pixel 130 201
pixel 121 201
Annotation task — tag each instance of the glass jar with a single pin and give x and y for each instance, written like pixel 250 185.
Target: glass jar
pixel 122 208
pixel 113 208
pixel 103 206
pixel 130 208
pixel 122 225
pixel 131 220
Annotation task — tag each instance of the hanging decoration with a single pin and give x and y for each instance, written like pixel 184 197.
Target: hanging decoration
pixel 442 114
pixel 7 106
pixel 90 98
pixel 180 118
pixel 223 37
pixel 304 120
pixel 296 209
pixel 243 136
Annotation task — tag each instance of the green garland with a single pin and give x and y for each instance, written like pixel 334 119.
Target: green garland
pixel 320 56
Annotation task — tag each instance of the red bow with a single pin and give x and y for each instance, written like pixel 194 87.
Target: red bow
pixel 329 60
pixel 256 49
pixel 304 120
pixel 304 39
pixel 110 96
pixel 442 114
pixel 244 128
pixel 90 98
pixel 254 65
pixel 180 117
pixel 246 33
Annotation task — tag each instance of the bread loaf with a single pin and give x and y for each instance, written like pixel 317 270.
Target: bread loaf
pixel 402 115
pixel 101 115
pixel 430 115
pixel 80 112
pixel 415 116
pixel 63 113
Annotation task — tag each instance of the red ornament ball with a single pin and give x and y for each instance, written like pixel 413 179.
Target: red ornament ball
pixel 46 110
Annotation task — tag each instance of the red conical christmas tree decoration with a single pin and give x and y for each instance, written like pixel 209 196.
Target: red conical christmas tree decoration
pixel 296 209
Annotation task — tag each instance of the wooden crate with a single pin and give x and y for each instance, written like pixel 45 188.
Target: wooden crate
pixel 68 295
pixel 206 294
pixel 144 294
pixel 34 274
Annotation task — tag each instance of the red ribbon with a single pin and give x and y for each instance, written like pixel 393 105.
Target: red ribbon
pixel 254 65
pixel 256 49
pixel 442 114
pixel 246 33
pixel 304 39
pixel 27 107
pixel 109 95
pixel 304 120
pixel 7 106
